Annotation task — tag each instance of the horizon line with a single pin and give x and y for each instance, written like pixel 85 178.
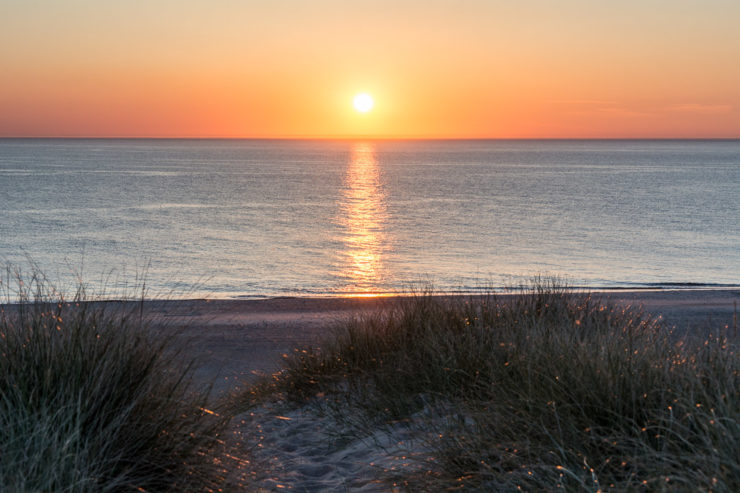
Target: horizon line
pixel 358 137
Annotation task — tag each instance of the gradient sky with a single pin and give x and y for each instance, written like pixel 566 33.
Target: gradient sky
pixel 500 69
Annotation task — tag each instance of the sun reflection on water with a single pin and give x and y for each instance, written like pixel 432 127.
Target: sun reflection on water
pixel 363 216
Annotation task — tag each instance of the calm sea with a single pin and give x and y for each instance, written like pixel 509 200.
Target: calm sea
pixel 269 218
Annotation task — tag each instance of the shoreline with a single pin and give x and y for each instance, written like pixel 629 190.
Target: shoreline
pixel 235 341
pixel 501 291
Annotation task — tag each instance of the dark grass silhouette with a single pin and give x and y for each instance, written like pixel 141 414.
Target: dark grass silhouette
pixel 91 400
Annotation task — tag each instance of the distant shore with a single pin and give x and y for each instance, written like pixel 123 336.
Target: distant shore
pixel 233 341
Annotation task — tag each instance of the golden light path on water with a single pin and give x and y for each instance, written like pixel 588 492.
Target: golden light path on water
pixel 363 216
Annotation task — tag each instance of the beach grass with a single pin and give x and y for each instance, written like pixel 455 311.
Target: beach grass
pixel 542 390
pixel 93 400
pixel 548 389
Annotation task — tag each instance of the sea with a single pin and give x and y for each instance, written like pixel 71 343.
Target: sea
pixel 270 218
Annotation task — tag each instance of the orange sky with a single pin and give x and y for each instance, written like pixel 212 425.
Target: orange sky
pixel 449 69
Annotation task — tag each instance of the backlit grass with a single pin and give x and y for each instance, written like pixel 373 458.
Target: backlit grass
pixel 92 401
pixel 539 391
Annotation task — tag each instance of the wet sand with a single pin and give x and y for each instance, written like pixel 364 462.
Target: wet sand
pixel 233 341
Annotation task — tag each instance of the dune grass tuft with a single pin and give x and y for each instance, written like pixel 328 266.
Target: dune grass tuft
pixel 91 400
pixel 543 390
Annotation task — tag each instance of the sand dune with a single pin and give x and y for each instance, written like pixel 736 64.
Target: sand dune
pixel 303 449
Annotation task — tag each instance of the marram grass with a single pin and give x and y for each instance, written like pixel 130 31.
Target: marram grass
pixel 541 391
pixel 92 401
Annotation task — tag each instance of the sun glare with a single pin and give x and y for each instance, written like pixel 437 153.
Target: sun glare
pixel 363 102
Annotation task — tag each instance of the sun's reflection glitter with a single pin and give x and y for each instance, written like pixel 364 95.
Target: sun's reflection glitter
pixel 363 216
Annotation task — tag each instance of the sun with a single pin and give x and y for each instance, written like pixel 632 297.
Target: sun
pixel 363 102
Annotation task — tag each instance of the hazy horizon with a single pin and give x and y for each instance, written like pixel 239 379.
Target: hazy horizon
pixel 376 138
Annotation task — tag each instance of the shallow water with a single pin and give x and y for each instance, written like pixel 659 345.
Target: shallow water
pixel 268 218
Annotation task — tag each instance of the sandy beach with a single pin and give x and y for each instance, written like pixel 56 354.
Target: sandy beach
pixel 233 341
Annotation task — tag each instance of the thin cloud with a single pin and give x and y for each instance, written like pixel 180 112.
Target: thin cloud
pixel 589 107
pixel 584 102
pixel 701 109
